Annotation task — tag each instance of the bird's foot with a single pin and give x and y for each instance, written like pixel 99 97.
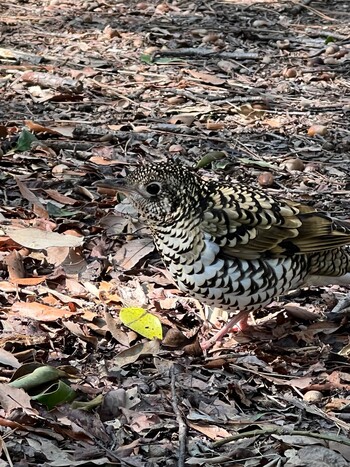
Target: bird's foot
pixel 239 322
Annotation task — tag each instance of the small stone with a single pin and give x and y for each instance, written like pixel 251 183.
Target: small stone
pixel 294 164
pixel 312 167
pixel 313 396
pixel 260 23
pixel 210 38
pixel 283 45
pixel 315 61
pixel 314 130
pixel 332 49
pixel 266 179
pixel 290 73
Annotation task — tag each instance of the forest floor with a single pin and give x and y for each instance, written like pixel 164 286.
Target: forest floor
pixel 254 90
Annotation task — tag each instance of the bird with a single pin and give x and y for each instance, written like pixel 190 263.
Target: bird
pixel 231 245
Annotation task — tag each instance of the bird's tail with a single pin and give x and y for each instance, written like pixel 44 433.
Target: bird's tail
pixel 330 267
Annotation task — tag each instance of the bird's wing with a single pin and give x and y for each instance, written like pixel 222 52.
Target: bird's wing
pixel 248 223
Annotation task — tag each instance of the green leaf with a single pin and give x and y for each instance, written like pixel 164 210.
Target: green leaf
pixel 88 405
pixel 39 376
pixel 55 211
pixel 329 39
pixel 56 394
pixel 210 157
pixel 142 322
pixel 146 58
pixel 25 140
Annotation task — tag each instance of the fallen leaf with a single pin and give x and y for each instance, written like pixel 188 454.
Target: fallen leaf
pixel 40 312
pixel 206 77
pixel 13 398
pixel 133 252
pixel 142 322
pixel 132 354
pixel 211 431
pixel 37 239
pixel 8 359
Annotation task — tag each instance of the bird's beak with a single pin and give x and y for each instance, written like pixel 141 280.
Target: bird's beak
pixel 119 185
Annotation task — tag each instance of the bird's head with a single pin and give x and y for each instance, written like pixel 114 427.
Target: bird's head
pixel 161 192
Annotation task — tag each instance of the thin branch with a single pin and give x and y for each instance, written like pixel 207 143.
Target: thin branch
pixel 180 421
pixel 281 431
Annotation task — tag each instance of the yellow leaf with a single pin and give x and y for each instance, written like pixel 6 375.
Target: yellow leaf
pixel 142 322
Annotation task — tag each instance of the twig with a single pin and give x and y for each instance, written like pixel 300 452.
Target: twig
pixel 313 10
pixel 181 423
pixel 6 451
pixel 203 52
pixel 281 431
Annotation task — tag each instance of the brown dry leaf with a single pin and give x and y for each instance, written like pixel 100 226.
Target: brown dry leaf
pixel 301 383
pixel 273 122
pixel 326 327
pixel 211 431
pixel 114 224
pixel 141 421
pixel 66 130
pixel 107 292
pixel 37 128
pixel 75 288
pixel 214 125
pixel 6 286
pixel 63 297
pixel 56 254
pixel 337 405
pixel 13 398
pixel 126 357
pixel 8 359
pixel 27 281
pixel 78 331
pixel 133 252
pixel 113 326
pixel 49 80
pixel 300 312
pixel 40 312
pixel 54 194
pixel 6 243
pixel 30 196
pixel 15 267
pixel 315 456
pixel 75 262
pixel 342 448
pixel 186 119
pixel 51 300
pixel 206 77
pixel 100 160
pixel 174 338
pixel 37 239
pixel 134 295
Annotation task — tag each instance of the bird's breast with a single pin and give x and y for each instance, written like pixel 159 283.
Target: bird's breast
pixel 200 269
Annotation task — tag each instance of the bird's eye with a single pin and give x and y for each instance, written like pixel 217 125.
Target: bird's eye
pixel 153 188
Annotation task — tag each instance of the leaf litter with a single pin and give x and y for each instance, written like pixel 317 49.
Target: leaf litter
pixel 248 89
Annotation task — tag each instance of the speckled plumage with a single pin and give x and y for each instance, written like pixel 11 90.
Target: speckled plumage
pixel 234 246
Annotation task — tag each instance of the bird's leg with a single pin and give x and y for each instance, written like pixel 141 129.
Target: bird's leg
pixel 240 318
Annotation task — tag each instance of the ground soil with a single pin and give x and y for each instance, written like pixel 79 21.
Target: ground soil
pixel 253 91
